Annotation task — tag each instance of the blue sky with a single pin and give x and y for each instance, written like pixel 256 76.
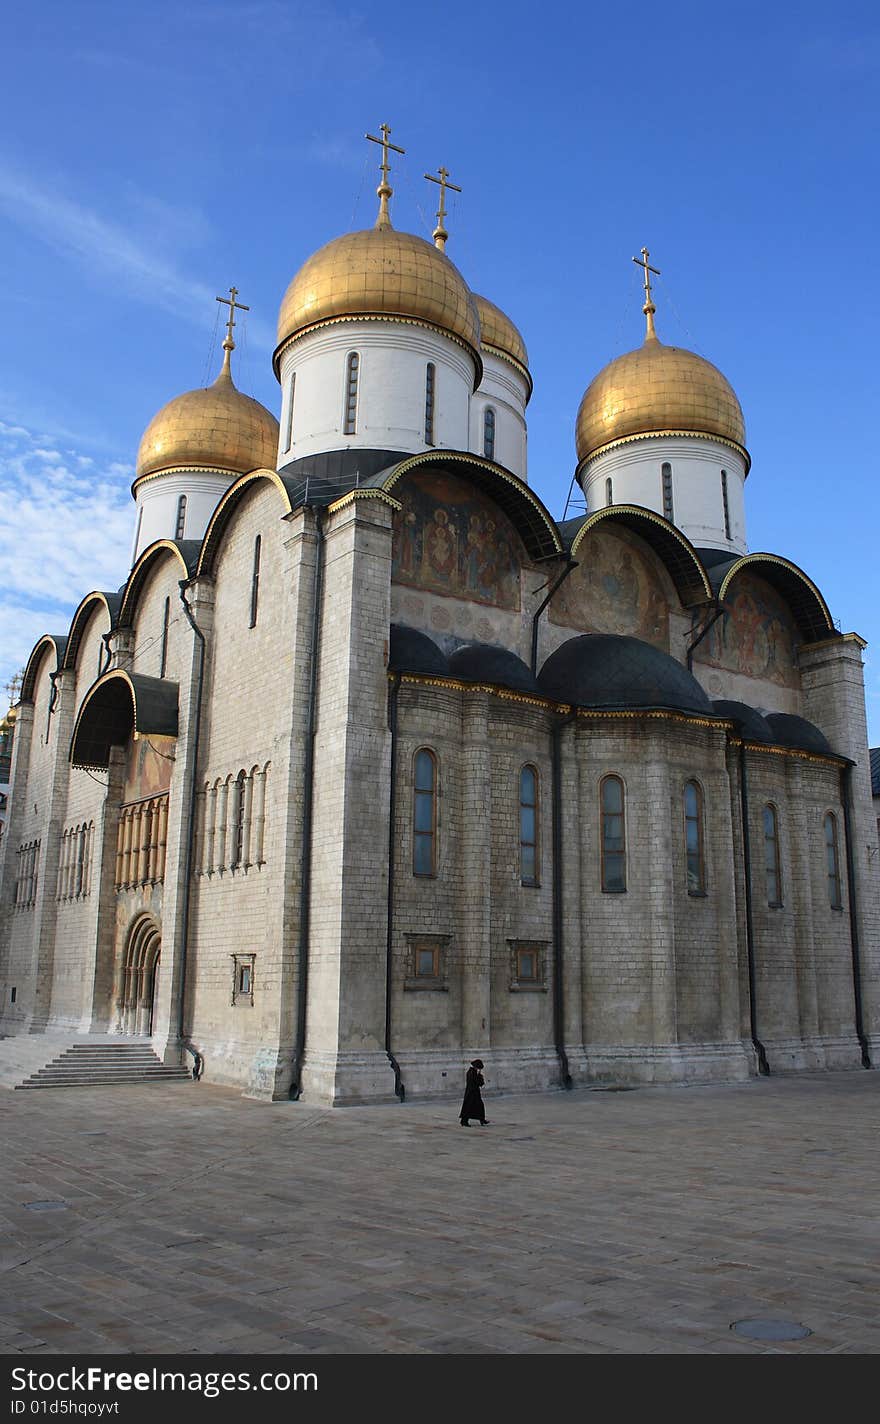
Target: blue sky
pixel 153 155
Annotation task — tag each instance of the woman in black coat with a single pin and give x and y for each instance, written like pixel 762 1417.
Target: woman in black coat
pixel 473 1102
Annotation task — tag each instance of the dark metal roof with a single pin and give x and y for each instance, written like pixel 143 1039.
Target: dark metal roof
pixel 875 771
pixel 791 731
pixel 28 684
pixel 80 619
pixel 412 651
pixel 319 479
pixel 118 704
pixel 186 551
pixel 672 547
pixel 712 558
pixel 485 662
pixel 808 607
pixel 603 670
pixel 750 725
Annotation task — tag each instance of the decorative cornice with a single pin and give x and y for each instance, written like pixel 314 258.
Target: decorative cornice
pixel 665 435
pixel 185 470
pixel 378 316
pixel 512 361
pixel 376 495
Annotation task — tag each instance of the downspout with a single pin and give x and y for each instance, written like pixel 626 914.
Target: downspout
pixel 399 1089
pixel 305 884
pixel 558 988
pixel 105 639
pixel 763 1065
pixel 198 1061
pixel 707 626
pixel 572 564
pixel 846 798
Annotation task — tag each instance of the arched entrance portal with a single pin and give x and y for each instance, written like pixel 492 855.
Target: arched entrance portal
pixel 141 977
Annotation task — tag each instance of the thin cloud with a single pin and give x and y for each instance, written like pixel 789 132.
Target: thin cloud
pixel 105 249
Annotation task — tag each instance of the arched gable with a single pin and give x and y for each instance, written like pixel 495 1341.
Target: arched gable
pixel 29 681
pixel 118 705
pixel 673 548
pixel 808 608
pixel 111 602
pixel 185 551
pixel 529 517
pixel 620 584
pixel 229 503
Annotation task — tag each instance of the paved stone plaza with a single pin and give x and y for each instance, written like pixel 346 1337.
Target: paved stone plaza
pixel 599 1222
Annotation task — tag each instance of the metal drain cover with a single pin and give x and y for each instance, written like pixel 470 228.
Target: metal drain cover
pixel 46 1206
pixel 771 1329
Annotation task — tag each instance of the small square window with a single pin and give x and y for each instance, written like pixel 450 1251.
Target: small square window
pixel 426 962
pixel 527 966
pixel 243 978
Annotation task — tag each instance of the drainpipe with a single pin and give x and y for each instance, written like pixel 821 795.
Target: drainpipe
pixel 572 564
pixel 846 798
pixel 105 639
pixel 308 799
pixel 763 1065
pixel 717 611
pixel 198 1061
pixel 399 1089
pixel 558 988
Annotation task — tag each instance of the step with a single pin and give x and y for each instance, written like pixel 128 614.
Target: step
pixel 99 1081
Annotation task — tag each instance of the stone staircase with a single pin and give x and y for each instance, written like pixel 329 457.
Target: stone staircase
pixel 92 1062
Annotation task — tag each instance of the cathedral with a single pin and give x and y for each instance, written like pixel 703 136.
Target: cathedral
pixel 372 765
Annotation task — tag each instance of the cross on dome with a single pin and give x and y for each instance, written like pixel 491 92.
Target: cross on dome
pixel 234 306
pixel 649 307
pixel 384 190
pixel 440 235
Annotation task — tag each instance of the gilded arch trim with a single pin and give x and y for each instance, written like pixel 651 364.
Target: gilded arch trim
pixel 117 705
pixel 143 568
pixel 29 681
pixel 808 607
pixel 226 508
pixel 673 548
pixel 532 521
pixel 79 622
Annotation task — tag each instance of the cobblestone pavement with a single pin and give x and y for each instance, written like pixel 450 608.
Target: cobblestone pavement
pixel 598 1222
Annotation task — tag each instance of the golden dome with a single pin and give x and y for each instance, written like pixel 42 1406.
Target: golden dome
pixel 380 273
pixel 214 428
pixel 498 332
pixel 657 390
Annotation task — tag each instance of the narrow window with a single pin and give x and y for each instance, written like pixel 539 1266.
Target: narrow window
pixel 528 826
pixel 424 813
pixel 181 517
pixel 489 433
pixel 288 435
pixel 430 375
pixel 255 581
pixel 771 856
pixel 613 836
pixel 163 660
pixel 527 966
pixel 609 491
pixel 833 862
pixel 238 823
pixel 693 839
pixel 427 965
pixel 725 503
pixel 351 394
pixel 668 510
pixel 244 979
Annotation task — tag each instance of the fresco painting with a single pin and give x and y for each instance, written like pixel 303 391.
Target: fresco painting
pixel 148 771
pixel 757 636
pixel 614 589
pixel 450 539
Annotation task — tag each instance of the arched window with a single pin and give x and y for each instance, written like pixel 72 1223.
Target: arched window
pixel 288 433
pixel 528 826
pixel 725 504
pixel 693 839
pixel 430 375
pixel 351 393
pixel 255 580
pixel 163 658
pixel 238 820
pixel 181 517
pixel 609 491
pixel 771 856
pixel 613 835
pixel 668 509
pixel 832 859
pixel 489 433
pixel 425 813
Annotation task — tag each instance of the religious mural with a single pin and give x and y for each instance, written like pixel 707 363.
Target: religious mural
pixel 149 766
pixel 615 589
pixel 757 636
pixel 450 539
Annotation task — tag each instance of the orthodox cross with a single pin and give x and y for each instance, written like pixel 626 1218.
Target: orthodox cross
pixel 234 306
pixel 384 189
pixel 440 234
pixel 13 687
pixel 649 307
